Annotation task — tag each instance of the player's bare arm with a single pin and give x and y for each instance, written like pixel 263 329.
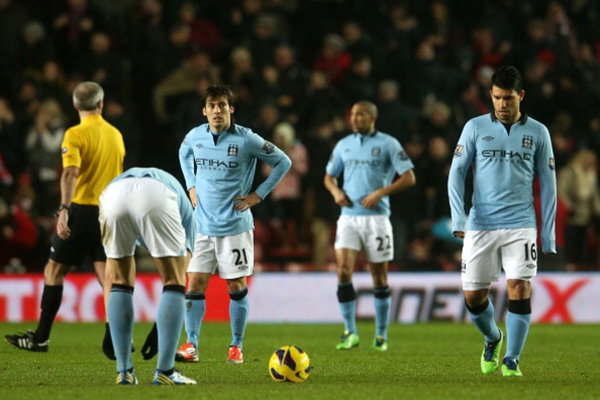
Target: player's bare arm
pixel 338 194
pixel 193 196
pixel 68 180
pixel 246 202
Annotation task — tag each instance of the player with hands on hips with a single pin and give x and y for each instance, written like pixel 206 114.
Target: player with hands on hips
pixel 218 160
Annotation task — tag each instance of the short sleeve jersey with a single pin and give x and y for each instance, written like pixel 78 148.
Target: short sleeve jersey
pixel 97 149
pixel 368 162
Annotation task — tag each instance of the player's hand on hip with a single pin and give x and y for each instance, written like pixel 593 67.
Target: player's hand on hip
pixel 459 234
pixel 62 226
pixel 245 202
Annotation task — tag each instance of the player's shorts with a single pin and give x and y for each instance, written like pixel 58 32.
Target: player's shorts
pixel 145 208
pixel 231 256
pixel 372 233
pixel 486 252
pixel 84 240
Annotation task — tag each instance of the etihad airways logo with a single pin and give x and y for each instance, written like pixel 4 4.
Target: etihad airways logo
pixel 368 163
pixel 507 155
pixel 216 164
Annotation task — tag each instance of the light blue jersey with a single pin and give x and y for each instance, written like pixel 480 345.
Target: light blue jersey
pixel 224 170
pixel 368 162
pixel 185 206
pixel 504 167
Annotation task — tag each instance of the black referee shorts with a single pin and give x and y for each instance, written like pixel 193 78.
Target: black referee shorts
pixel 85 239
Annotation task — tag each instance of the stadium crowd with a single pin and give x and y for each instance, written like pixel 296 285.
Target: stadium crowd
pixel 296 67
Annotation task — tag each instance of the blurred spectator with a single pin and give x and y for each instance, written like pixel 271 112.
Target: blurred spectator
pixel 404 37
pixel 73 26
pixel 18 235
pixel 427 76
pixel 42 145
pixel 189 111
pixel 241 69
pixel 11 140
pixel 395 117
pixel 286 199
pixel 103 65
pixel 267 33
pixel 52 84
pixel 359 82
pixel 149 54
pixel 13 16
pixel 125 121
pixel 35 48
pixel 321 100
pixel 267 119
pixel 409 208
pixel 360 42
pixel 578 187
pixel 436 120
pixel 468 104
pixel 333 58
pixel 204 34
pixel 292 80
pixel 321 210
pixel 180 82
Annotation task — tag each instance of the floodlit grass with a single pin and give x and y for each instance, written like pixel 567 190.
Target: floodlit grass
pixel 429 361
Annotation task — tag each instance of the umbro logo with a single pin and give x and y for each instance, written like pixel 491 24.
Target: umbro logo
pixel 199 145
pixel 488 138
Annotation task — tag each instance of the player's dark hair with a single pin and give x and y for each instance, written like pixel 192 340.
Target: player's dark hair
pixel 369 106
pixel 216 91
pixel 508 78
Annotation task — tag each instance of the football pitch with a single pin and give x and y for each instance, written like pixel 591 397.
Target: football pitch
pixel 424 361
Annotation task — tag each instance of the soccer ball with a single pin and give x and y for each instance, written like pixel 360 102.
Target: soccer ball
pixel 289 363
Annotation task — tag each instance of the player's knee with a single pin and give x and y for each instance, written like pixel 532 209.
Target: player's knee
pixel 54 273
pixel 239 295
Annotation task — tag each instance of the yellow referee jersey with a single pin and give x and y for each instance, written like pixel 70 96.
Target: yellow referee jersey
pixel 97 148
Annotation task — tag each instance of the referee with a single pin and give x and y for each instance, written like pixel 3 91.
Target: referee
pixel 92 155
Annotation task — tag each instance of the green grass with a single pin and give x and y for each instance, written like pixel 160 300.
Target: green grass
pixel 429 361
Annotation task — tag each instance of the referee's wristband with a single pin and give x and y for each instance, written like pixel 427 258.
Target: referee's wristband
pixel 60 208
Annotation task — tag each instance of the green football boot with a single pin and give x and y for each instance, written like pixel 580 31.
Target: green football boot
pixel 380 344
pixel 510 367
pixel 349 340
pixel 491 355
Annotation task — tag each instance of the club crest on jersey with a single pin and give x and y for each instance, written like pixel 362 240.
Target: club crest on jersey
pixel 376 152
pixel 64 150
pixel 527 142
pixel 552 164
pixel 458 151
pixel 403 155
pixel 268 147
pixel 233 150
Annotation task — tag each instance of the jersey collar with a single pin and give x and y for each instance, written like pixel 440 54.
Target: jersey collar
pixel 522 120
